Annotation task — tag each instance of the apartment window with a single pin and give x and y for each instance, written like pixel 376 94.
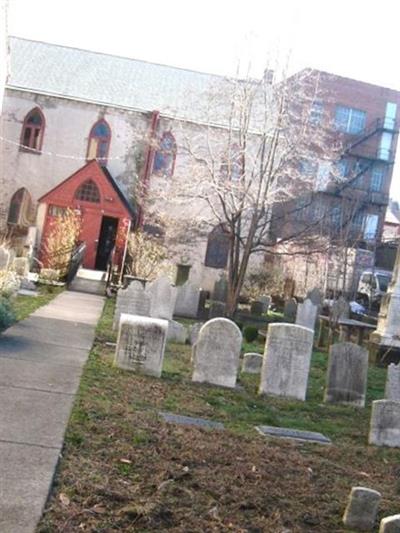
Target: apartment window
pixel 349 120
pixel 88 192
pixel 336 216
pixel 165 156
pixel 370 226
pixel 32 130
pixel 378 175
pixel 358 220
pixel 99 141
pixel 316 112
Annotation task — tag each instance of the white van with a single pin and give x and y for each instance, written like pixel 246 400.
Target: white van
pixel 373 285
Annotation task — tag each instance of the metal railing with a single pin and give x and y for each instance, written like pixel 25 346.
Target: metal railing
pixel 75 262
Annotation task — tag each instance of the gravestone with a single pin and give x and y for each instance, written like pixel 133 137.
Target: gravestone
pixel 141 344
pixel 177 332
pixel 163 298
pixel 390 524
pixel 362 508
pixel 340 309
pixel 133 300
pixel 315 296
pixel 217 309
pixel 191 421
pixel 194 332
pixel 252 363
pixel 392 387
pixel 266 303
pixel 286 362
pixel 347 374
pixel 290 310
pixel 216 353
pixel 187 300
pixel 306 314
pixel 220 291
pixel 21 266
pixel 4 258
pixel 256 308
pixel 385 424
pixel 294 434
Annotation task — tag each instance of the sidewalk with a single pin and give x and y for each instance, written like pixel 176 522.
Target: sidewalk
pixel 41 360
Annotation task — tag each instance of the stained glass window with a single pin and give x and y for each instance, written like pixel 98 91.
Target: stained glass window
pixel 99 142
pixel 165 155
pixel 217 248
pixel 88 192
pixel 32 131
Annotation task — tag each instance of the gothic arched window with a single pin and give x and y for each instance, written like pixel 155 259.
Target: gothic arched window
pixel 20 212
pixel 88 192
pixel 217 248
pixel 33 130
pixel 99 141
pixel 164 158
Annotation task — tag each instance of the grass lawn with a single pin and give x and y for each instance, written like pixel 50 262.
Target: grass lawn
pixel 125 469
pixel 25 305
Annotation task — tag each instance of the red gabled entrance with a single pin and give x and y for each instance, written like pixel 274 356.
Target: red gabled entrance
pixel 104 211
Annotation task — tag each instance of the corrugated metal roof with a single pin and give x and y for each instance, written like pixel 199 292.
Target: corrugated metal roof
pixel 117 81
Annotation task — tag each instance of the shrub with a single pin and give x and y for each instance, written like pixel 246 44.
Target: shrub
pixel 250 333
pixel 7 315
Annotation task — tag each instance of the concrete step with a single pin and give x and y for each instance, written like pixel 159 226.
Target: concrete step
pixel 88 286
pixel 95 275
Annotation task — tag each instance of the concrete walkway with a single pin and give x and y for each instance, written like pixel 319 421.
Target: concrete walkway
pixel 41 360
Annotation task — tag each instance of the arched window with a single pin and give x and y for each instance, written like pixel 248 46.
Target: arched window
pixel 164 158
pixel 32 130
pixel 88 192
pixel 21 212
pixel 217 248
pixel 99 141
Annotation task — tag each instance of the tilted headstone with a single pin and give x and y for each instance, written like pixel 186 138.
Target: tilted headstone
pixel 266 303
pixel 286 362
pixel 392 387
pixel 187 300
pixel 347 374
pixel 216 353
pixel 217 309
pixel 385 424
pixel 133 300
pixel 220 290
pixel 256 308
pixel 315 296
pixel 177 332
pixel 290 310
pixel 4 258
pixel 163 298
pixel 340 309
pixel 362 508
pixel 306 314
pixel 390 524
pixel 252 363
pixel 141 344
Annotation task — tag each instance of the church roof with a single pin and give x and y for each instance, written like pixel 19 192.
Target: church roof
pixel 115 81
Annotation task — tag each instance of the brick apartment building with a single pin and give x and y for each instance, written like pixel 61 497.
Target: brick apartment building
pixel 64 107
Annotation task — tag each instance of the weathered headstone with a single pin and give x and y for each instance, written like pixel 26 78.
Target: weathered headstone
pixel 163 297
pixel 266 302
pixel 220 289
pixel 217 309
pixel 141 344
pixel 177 332
pixel 362 508
pixel 390 524
pixel 252 363
pixel 340 309
pixel 347 374
pixel 187 300
pixel 216 353
pixel 295 434
pixel 256 308
pixel 290 310
pixel 21 266
pixel 4 258
pixel 315 296
pixel 385 424
pixel 306 314
pixel 286 362
pixel 133 300
pixel 392 387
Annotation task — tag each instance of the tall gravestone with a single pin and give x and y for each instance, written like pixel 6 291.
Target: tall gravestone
pixel 306 314
pixel 133 300
pixel 220 289
pixel 141 344
pixel 216 353
pixel 347 374
pixel 385 424
pixel 286 362
pixel 187 300
pixel 392 387
pixel 4 258
pixel 265 302
pixel 315 296
pixel 163 298
pixel 217 309
pixel 290 310
pixel 340 309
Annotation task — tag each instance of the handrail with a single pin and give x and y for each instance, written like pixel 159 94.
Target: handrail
pixel 75 262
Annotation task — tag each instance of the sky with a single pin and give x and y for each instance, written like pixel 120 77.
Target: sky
pixel 353 38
